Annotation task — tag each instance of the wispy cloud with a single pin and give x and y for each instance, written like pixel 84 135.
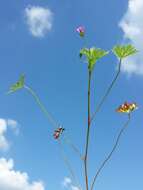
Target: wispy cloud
pixel 68 184
pixel 4 125
pixel 11 179
pixel 132 26
pixel 39 20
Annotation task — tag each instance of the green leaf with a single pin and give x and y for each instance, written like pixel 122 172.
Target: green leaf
pixel 92 55
pixel 124 51
pixel 18 85
pixel 84 51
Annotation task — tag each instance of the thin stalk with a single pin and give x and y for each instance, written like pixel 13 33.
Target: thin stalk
pixel 42 107
pixel 74 148
pixel 54 124
pixel 69 167
pixel 49 116
pixel 107 92
pixel 111 153
pixel 87 133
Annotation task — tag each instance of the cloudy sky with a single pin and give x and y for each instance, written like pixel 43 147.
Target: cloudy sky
pixel 38 38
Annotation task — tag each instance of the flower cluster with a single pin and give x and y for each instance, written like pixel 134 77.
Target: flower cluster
pixel 58 132
pixel 127 107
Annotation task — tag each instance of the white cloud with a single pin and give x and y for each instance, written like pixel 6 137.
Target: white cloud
pixel 39 20
pixel 67 183
pixel 4 124
pixel 74 187
pixel 11 179
pixel 132 26
pixel 4 145
pixel 13 125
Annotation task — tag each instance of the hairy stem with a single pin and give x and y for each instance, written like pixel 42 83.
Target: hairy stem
pixel 107 92
pixel 111 153
pixel 87 133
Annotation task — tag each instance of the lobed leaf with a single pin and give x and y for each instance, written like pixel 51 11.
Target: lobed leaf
pixel 92 55
pixel 124 51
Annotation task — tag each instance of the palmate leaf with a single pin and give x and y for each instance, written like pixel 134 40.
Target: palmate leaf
pixel 124 51
pixel 92 55
pixel 18 85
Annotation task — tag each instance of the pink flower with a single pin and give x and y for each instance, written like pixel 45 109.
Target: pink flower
pixel 58 132
pixel 81 31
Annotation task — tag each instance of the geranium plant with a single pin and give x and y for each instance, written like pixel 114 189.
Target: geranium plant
pixel 92 55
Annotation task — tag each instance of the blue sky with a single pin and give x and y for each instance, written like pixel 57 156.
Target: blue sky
pixel 49 59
